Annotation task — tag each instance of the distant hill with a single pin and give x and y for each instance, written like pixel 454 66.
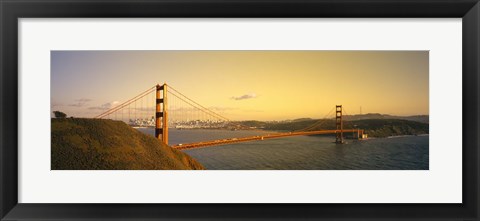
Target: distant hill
pixel 298 123
pixel 301 119
pixel 390 127
pixel 97 144
pixel 418 118
pixel 373 127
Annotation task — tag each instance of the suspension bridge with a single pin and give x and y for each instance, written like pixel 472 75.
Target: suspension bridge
pixel 164 107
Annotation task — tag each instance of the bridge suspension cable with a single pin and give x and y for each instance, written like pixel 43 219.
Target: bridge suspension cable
pixel 348 122
pixel 193 103
pixel 318 123
pixel 126 103
pixel 184 113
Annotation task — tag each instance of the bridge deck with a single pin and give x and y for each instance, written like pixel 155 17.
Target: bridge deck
pixel 260 137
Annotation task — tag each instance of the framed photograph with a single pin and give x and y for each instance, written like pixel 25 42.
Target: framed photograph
pixel 252 110
pixel 249 126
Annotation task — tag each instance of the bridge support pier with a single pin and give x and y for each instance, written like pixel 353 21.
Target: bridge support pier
pixel 339 124
pixel 362 135
pixel 161 114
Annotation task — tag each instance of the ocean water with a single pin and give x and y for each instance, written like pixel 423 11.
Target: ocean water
pixel 304 152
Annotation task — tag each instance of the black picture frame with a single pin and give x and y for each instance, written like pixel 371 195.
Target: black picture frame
pixel 12 10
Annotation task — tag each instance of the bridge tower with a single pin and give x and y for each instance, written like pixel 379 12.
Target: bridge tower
pixel 339 124
pixel 161 114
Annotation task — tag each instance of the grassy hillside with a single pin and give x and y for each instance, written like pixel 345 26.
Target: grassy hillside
pixel 96 144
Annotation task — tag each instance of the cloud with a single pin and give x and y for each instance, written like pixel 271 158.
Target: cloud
pixel 105 106
pixel 80 102
pixel 245 96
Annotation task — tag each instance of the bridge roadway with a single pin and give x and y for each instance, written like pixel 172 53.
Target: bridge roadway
pixel 260 137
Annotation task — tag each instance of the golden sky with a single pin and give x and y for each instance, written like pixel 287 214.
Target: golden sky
pixel 247 85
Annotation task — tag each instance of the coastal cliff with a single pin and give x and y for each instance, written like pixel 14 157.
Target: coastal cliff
pixel 98 144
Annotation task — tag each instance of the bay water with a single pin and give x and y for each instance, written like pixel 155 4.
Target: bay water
pixel 317 152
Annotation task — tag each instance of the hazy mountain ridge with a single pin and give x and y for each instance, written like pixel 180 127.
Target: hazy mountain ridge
pixel 376 125
pixel 417 118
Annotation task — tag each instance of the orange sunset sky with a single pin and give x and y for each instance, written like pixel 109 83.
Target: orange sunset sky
pixel 247 85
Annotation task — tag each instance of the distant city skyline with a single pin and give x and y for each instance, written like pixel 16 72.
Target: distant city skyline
pixel 247 85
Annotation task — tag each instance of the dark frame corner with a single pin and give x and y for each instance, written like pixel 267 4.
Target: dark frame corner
pixel 12 10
